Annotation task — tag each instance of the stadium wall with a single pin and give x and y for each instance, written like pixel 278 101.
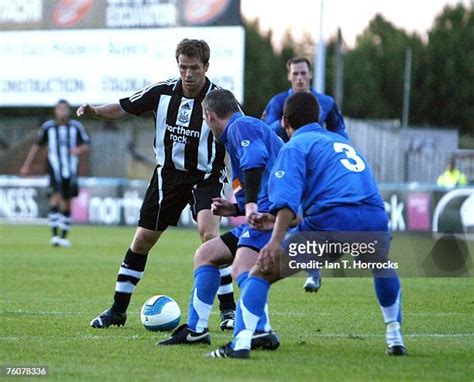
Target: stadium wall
pixel 124 149
pixel 116 201
pixel 413 154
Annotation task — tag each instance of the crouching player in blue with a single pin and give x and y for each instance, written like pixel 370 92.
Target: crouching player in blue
pixel 253 148
pixel 332 183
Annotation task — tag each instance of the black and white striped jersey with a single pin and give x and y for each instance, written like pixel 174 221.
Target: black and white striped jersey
pixel 60 140
pixel 183 141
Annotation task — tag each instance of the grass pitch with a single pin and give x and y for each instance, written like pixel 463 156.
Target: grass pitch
pixel 49 295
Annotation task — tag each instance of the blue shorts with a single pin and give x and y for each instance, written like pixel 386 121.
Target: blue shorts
pixel 251 238
pixel 347 219
pixel 353 225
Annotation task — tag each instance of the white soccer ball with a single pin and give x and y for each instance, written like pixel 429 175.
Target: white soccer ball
pixel 160 313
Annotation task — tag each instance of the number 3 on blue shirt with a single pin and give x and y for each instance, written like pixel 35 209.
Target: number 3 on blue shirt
pixel 357 165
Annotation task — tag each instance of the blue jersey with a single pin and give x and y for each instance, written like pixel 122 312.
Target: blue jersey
pixel 329 114
pixel 250 144
pixel 320 170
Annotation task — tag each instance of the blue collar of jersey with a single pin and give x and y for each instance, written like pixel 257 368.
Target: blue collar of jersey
pixel 312 90
pixel 306 128
pixel 235 116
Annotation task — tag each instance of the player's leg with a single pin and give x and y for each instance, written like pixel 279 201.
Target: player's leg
pixel 64 221
pixel 69 190
pixel 53 217
pixel 161 207
pixel 388 292
pixel 225 294
pixel 208 258
pixel 313 281
pixel 130 273
pixel 250 308
pixel 207 261
pixel 133 266
pixel 208 226
pixel 54 204
pixel 263 337
pixel 386 281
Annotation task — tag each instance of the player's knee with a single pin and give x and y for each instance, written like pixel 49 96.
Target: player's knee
pixel 202 257
pixel 144 241
pixel 270 276
pixel 208 235
pixel 140 245
pixel 235 272
pixel 238 269
pixel 55 200
pixel 206 256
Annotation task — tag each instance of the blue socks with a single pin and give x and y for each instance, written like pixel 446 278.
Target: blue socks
pixel 241 279
pixel 264 322
pixel 250 309
pixel 206 283
pixel 388 291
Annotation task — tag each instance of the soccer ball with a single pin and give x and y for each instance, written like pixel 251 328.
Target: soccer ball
pixel 160 313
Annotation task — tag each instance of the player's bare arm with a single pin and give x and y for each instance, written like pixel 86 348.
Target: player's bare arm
pixel 25 169
pixel 109 111
pixel 79 150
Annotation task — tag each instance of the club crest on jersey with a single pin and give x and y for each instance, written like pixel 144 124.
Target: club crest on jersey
pixel 183 117
pixel 184 113
pixel 280 174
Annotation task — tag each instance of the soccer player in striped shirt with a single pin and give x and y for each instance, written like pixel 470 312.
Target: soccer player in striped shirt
pixel 66 139
pixel 190 170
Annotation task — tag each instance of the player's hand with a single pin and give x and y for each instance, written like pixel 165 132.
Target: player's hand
pixel 250 209
pixel 222 207
pixel 262 221
pixel 76 151
pixel 25 170
pixel 86 110
pixel 267 258
pixel 297 220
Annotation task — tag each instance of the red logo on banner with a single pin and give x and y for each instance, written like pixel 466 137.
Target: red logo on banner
pixel 204 12
pixel 68 13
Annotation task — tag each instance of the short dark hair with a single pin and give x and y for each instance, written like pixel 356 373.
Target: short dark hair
pixel 297 60
pixel 194 48
pixel 62 102
pixel 222 102
pixel 301 109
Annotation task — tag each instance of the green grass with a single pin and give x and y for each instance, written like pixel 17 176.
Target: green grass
pixel 48 296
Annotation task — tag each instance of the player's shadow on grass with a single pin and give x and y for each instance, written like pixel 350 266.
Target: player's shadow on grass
pixel 449 257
